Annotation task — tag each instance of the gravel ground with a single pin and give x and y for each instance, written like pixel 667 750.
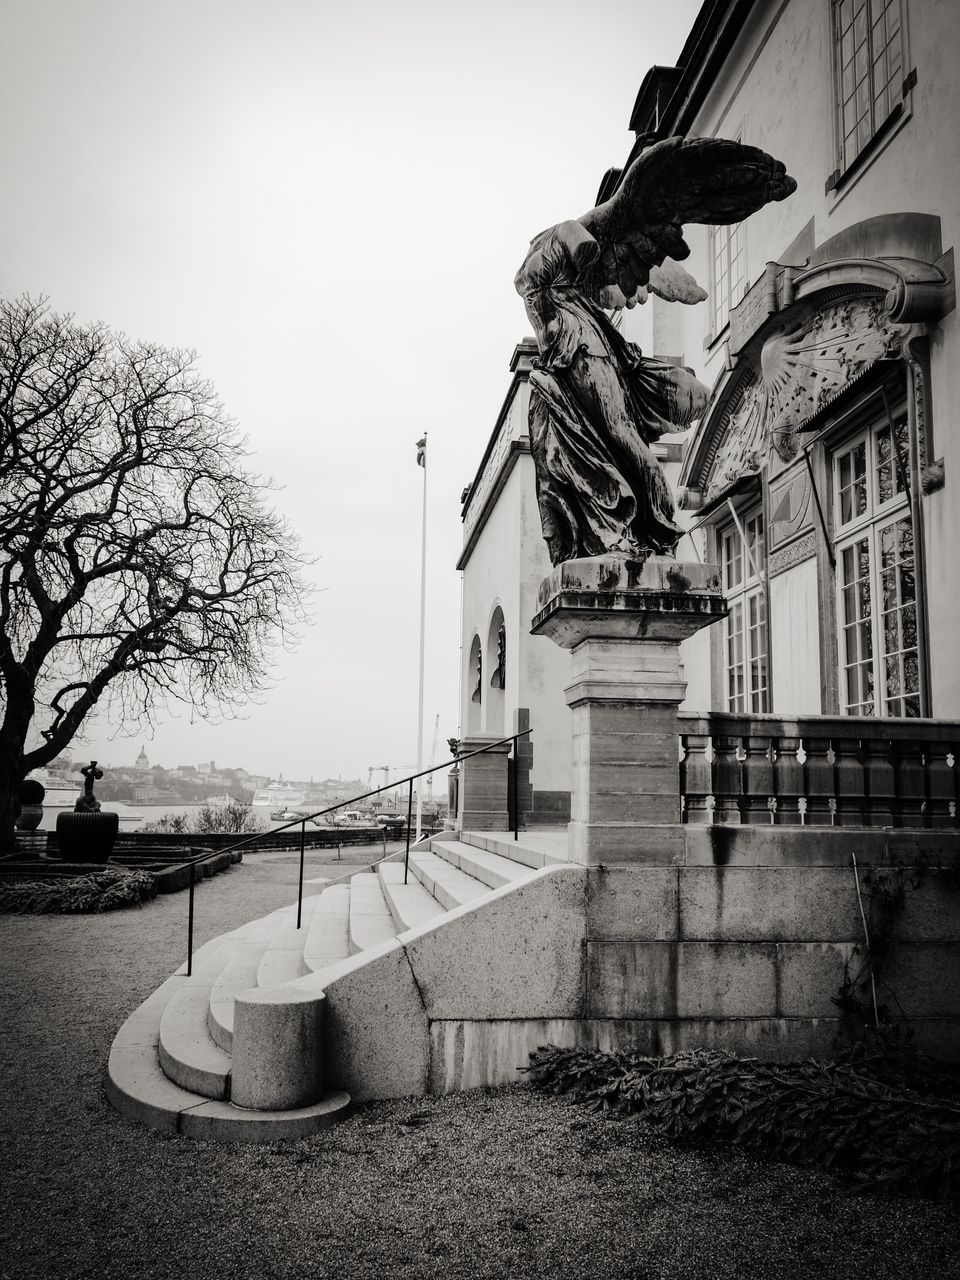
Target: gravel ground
pixel 483 1184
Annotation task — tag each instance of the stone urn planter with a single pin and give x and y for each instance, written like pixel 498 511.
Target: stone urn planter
pixel 87 837
pixel 87 834
pixel 31 805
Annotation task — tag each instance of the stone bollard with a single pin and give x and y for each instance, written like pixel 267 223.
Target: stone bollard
pixel 277 1049
pixel 623 620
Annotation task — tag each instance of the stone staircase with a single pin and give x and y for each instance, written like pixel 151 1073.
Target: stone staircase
pixel 183 1063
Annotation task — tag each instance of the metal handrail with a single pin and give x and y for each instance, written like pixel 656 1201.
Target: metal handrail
pixel 341 804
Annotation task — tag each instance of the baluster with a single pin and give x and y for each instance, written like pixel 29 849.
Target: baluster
pixel 727 779
pixel 757 802
pixel 695 779
pixel 818 782
pixel 942 781
pixel 849 781
pixel 787 780
pixel 880 782
pixel 910 783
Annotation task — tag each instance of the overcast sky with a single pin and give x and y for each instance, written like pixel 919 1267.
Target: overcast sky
pixel 328 201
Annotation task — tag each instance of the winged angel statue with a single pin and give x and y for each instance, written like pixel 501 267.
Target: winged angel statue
pixel 597 403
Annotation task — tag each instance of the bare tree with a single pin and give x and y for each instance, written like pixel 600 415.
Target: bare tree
pixel 139 560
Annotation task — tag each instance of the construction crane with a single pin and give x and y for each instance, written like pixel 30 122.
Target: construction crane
pixel 386 769
pixel 433 758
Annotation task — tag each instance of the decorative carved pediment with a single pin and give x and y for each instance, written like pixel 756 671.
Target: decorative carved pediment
pixel 799 373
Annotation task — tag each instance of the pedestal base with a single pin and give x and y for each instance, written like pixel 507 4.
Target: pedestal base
pixel 623 621
pixel 484 780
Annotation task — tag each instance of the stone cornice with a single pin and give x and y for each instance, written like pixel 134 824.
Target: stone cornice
pixel 914 291
pixel 520 367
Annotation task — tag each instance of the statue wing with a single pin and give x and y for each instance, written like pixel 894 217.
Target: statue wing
pixel 676 181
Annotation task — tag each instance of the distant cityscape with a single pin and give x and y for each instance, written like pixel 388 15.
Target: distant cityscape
pixel 144 783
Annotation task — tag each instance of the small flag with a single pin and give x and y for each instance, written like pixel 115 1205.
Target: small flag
pixel 422 452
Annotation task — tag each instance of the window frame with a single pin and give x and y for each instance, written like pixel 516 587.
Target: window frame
pixel 747 686
pixel 735 286
pixel 899 88
pixel 867 526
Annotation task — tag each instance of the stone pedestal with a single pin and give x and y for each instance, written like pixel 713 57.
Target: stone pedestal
pixel 483 785
pixel 623 620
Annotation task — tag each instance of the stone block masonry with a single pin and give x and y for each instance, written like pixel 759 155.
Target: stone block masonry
pixel 622 620
pixel 484 784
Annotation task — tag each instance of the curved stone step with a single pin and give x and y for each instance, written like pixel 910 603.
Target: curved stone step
pixel 410 905
pixel 187 1054
pixel 450 886
pixel 241 951
pixel 283 957
pixel 328 938
pixel 370 920
pixel 242 966
pixel 209 959
pixel 491 869
pixel 137 1087
pixel 238 975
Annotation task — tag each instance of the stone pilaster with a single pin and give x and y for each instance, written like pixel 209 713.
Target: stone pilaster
pixel 623 621
pixel 483 785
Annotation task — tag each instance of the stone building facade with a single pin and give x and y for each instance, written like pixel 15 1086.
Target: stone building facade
pixel 823 477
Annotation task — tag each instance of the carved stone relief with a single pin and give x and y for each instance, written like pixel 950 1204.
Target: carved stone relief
pixel 800 372
pixel 802 549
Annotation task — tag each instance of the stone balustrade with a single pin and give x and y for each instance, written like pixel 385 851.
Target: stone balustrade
pixel 819 771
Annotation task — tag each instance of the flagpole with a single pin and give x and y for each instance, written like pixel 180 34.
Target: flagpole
pixel 423 621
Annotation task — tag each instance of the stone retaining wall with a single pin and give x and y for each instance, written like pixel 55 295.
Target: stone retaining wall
pixel 652 957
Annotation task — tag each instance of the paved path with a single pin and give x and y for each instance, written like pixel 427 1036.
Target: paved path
pixel 487 1184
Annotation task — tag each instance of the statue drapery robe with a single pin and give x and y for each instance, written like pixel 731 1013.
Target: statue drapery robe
pixel 597 405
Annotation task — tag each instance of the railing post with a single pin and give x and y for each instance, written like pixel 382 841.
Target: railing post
pixel 515 790
pixel 941 778
pixel 696 782
pixel 817 779
pixel 909 772
pixel 406 856
pixel 193 880
pixel 787 777
pixel 727 778
pixel 756 804
pixel 850 785
pixel 879 783
pixel 303 830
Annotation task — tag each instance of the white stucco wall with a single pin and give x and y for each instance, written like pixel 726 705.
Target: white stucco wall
pixel 546 666
pixel 505 568
pixel 492 579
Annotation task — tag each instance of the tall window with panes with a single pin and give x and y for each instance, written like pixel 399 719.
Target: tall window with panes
pixel 876 577
pixel 742 557
pixel 728 275
pixel 869 59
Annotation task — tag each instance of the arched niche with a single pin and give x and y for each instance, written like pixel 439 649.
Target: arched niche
pixel 496 678
pixel 474 685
